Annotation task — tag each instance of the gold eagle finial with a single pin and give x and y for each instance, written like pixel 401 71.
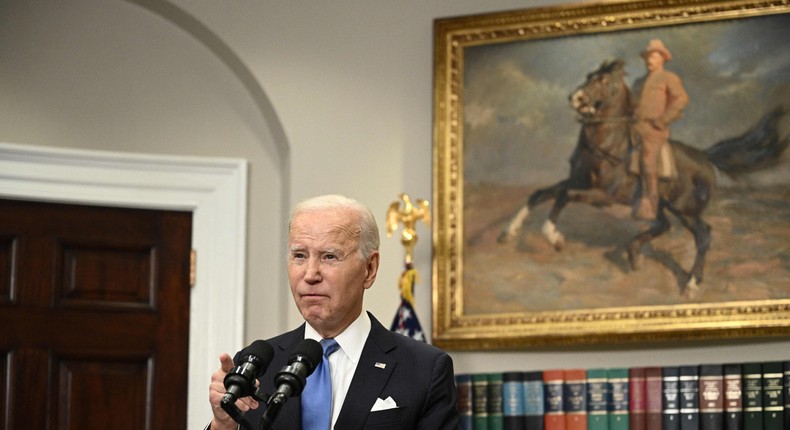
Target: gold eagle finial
pixel 408 215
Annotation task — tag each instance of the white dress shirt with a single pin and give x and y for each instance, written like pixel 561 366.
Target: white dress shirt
pixel 343 362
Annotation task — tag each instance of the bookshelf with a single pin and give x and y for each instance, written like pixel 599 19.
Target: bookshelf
pixel 751 395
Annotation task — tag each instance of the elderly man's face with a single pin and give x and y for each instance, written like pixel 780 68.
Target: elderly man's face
pixel 654 61
pixel 327 277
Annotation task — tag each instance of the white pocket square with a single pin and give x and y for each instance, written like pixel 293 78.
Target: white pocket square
pixel 383 405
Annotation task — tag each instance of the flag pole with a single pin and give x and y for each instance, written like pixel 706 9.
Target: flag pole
pixel 404 212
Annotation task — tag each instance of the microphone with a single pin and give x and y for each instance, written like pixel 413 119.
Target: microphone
pixel 291 379
pixel 240 381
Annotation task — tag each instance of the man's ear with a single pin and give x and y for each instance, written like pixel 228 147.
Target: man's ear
pixel 371 269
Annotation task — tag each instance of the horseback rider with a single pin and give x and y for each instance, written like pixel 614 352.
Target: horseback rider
pixel 660 101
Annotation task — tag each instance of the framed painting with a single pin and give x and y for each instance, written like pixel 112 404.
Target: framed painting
pixel 539 166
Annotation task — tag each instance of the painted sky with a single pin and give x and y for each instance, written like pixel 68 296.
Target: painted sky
pixel 520 129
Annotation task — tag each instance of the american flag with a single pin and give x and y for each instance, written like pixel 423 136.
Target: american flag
pixel 406 321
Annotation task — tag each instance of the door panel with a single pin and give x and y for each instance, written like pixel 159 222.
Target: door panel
pixel 110 277
pixel 94 314
pixel 6 268
pixel 87 388
pixel 5 386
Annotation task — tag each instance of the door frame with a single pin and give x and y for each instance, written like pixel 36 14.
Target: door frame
pixel 213 189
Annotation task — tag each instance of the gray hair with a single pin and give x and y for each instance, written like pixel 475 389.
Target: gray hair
pixel 369 231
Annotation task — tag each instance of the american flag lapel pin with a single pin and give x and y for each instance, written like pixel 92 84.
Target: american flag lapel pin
pixel 381 365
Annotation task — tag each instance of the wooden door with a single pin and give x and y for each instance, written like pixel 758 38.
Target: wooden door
pixel 94 317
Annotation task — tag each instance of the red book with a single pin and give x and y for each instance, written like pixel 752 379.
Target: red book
pixel 711 397
pixel 637 405
pixel 575 399
pixel 654 395
pixel 554 414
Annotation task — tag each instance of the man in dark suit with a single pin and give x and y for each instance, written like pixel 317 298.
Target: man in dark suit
pixel 379 378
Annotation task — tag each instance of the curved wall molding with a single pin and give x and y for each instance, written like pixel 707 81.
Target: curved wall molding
pixel 228 57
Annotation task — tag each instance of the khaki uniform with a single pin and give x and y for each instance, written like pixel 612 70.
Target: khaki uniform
pixel 661 101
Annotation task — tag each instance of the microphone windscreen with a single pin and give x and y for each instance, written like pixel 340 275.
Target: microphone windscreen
pixel 309 350
pixel 260 349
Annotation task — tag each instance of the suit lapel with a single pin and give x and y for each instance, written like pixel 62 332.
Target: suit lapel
pixel 373 372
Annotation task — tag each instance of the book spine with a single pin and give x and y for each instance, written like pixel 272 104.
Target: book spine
pixel 480 401
pixel 463 383
pixel 752 396
pixel 733 400
pixel 597 400
pixel 637 399
pixel 575 399
pixel 653 398
pixel 553 381
pixel 786 379
pixel 534 401
pixel 689 398
pixel 495 402
pixel 773 398
pixel 670 405
pixel 513 400
pixel 618 405
pixel 711 394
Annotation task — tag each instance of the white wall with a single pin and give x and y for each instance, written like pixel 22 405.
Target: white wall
pixel 318 96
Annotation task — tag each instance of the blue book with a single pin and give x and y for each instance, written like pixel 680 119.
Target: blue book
pixel 463 384
pixel 534 402
pixel 513 400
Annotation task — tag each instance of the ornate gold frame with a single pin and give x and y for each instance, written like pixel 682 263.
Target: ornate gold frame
pixel 452 327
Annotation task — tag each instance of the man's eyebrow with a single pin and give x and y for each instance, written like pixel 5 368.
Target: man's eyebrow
pixel 328 250
pixel 335 251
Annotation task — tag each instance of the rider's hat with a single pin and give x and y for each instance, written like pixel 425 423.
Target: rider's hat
pixel 658 46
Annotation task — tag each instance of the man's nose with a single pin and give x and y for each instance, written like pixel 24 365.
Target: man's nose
pixel 312 271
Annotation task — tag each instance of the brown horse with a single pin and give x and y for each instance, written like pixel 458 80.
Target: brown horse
pixel 600 175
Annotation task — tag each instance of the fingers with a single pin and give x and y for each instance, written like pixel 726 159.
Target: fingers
pixel 226 363
pixel 217 386
pixel 217 392
pixel 246 403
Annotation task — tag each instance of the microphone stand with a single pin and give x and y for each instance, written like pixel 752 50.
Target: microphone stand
pixel 273 405
pixel 230 408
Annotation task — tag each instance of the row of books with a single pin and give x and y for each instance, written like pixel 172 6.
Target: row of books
pixel 737 396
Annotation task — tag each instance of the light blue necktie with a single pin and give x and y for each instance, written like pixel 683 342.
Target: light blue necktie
pixel 317 394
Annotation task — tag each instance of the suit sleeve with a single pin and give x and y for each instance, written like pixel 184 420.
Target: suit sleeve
pixel 441 410
pixel 677 99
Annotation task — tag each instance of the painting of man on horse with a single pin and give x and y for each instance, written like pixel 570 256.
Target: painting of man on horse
pixel 716 215
pixel 601 163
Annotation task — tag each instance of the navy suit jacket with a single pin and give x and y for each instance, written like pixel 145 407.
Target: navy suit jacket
pixel 418 376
